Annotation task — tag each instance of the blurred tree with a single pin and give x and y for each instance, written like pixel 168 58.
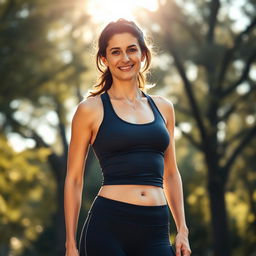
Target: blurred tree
pixel 215 60
pixel 43 60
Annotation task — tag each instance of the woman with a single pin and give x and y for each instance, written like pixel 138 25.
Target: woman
pixel 132 135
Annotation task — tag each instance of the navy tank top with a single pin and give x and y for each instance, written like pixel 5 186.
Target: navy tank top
pixel 131 153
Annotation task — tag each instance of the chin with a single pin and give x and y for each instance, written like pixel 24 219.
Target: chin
pixel 130 78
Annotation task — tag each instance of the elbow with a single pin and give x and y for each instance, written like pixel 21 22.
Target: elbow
pixel 76 181
pixel 170 175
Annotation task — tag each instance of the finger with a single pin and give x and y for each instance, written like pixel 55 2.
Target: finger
pixel 186 252
pixel 178 250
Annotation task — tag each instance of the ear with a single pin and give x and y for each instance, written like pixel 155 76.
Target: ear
pixel 104 60
pixel 143 56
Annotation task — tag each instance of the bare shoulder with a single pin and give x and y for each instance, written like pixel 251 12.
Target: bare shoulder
pixel 87 108
pixel 89 103
pixel 163 101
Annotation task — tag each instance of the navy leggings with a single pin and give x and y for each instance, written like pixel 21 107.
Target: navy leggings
pixel 115 228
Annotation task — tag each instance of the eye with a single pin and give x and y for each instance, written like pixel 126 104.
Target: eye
pixel 133 50
pixel 115 52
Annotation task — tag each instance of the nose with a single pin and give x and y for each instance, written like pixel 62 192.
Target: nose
pixel 125 57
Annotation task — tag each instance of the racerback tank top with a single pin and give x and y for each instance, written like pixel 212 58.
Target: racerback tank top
pixel 130 153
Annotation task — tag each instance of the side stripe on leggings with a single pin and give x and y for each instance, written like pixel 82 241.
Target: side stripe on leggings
pixel 82 233
pixel 85 236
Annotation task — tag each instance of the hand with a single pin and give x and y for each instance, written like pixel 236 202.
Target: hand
pixel 182 244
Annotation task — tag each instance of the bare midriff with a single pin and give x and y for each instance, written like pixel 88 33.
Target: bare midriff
pixel 134 194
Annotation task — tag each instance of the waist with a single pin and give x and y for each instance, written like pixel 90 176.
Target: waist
pixel 134 194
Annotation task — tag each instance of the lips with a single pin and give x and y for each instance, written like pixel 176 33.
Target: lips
pixel 126 68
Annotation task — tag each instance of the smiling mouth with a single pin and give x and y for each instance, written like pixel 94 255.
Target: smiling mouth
pixel 126 68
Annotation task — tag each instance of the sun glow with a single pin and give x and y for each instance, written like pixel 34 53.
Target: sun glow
pixel 111 10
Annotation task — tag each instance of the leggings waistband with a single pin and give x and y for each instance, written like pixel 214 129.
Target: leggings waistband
pixel 144 214
pixel 129 205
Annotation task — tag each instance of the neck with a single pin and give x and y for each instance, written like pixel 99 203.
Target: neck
pixel 125 91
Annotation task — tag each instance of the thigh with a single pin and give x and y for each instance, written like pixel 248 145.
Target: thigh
pixel 98 239
pixel 160 250
pixel 153 241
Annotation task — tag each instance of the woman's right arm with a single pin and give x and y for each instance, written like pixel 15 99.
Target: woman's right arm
pixel 77 154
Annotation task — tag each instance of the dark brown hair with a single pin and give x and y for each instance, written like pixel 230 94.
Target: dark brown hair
pixel 120 26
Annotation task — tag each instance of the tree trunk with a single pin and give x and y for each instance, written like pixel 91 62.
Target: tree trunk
pixel 221 242
pixel 58 164
pixel 59 219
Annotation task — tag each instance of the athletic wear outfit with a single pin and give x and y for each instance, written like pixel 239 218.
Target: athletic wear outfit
pixel 128 153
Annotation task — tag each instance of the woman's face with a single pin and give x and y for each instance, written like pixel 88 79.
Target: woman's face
pixel 123 56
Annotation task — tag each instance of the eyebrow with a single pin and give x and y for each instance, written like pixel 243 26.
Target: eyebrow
pixel 132 45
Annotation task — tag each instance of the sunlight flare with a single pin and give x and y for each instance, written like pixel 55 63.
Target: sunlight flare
pixel 111 10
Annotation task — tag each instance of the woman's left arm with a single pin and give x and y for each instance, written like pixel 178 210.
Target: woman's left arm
pixel 172 185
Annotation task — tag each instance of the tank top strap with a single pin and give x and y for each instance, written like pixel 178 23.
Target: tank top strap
pixel 154 107
pixel 108 112
pixel 151 105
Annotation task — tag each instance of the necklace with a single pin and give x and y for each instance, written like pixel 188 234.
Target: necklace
pixel 133 104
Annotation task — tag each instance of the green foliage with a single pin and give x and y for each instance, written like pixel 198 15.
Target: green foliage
pixel 25 189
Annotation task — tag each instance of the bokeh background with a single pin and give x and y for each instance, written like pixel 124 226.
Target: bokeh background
pixel 204 62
